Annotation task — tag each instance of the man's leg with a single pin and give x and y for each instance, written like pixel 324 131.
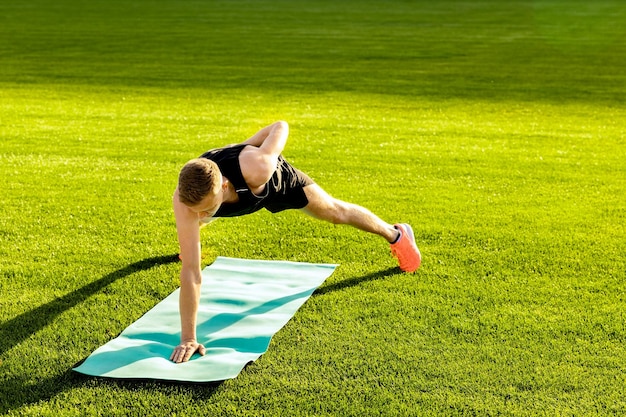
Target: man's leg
pixel 400 236
pixel 324 207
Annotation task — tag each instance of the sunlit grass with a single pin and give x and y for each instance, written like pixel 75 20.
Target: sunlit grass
pixel 491 128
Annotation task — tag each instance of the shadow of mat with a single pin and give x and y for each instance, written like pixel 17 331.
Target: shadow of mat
pixel 23 390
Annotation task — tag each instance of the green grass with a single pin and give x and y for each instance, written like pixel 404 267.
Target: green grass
pixel 495 128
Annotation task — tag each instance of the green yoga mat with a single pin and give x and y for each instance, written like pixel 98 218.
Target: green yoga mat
pixel 243 304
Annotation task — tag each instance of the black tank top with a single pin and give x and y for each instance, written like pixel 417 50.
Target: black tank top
pixel 227 159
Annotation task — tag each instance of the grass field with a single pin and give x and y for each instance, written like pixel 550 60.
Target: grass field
pixel 497 129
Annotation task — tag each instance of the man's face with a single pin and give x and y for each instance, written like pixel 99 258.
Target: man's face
pixel 209 204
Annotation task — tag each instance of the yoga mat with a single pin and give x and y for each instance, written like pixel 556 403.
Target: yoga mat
pixel 243 303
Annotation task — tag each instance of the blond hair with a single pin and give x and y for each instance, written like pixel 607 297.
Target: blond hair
pixel 197 179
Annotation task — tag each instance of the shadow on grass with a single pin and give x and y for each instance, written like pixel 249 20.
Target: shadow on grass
pixel 16 330
pixel 22 390
pixel 352 282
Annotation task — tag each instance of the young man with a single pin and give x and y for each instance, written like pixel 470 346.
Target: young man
pixel 241 179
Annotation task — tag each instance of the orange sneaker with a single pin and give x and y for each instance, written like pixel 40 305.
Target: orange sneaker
pixel 405 249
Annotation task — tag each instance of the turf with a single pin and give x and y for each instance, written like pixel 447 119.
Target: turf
pixel 496 129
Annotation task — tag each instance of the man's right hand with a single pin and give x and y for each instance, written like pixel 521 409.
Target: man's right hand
pixel 185 351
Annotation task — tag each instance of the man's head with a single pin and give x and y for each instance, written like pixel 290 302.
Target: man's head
pixel 200 184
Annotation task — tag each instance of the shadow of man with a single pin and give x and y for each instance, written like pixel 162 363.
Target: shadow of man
pixel 16 330
pixel 17 391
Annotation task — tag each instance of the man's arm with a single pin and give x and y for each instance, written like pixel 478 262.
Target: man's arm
pixel 258 161
pixel 188 229
pixel 271 136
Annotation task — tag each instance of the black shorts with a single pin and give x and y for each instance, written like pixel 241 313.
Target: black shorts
pixel 286 188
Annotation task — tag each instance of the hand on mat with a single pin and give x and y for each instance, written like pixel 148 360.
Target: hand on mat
pixel 185 351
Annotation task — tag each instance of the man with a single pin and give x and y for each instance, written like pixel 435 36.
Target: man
pixel 241 179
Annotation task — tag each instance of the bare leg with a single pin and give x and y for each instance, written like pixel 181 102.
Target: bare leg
pixel 324 207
